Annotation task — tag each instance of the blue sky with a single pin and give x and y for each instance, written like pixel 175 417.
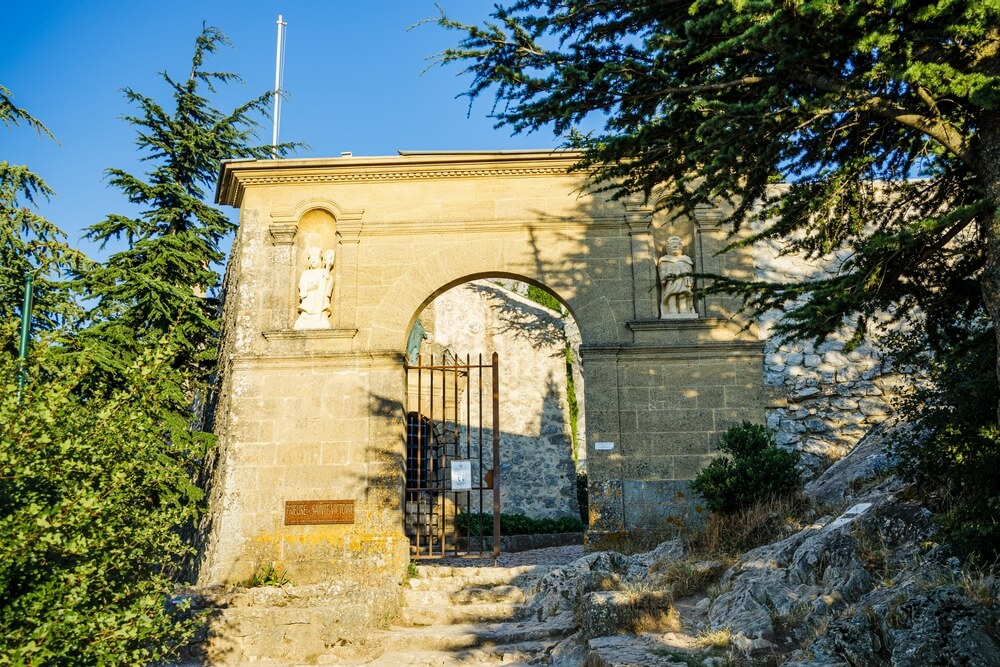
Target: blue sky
pixel 355 77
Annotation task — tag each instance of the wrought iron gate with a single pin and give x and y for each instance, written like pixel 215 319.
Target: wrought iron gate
pixel 452 457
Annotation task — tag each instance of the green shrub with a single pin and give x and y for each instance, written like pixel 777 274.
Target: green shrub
pixel 542 297
pixel 759 523
pixel 94 493
pixel 755 469
pixel 267 574
pixel 481 523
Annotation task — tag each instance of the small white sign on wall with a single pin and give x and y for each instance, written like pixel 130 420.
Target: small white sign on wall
pixel 604 446
pixel 461 475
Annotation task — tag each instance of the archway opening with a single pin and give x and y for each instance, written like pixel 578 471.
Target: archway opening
pixel 542 462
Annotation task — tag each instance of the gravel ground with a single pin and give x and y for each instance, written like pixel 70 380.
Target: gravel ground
pixel 549 556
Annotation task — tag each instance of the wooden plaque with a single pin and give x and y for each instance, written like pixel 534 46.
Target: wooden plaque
pixel 306 512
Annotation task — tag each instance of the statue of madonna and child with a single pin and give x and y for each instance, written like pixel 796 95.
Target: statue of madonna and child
pixel 315 290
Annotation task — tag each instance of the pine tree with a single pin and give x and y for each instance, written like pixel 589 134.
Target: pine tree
pixel 163 285
pixel 883 116
pixel 31 244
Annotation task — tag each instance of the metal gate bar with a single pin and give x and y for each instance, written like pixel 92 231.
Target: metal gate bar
pixel 438 434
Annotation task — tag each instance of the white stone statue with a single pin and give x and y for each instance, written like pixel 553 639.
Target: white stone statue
pixel 315 290
pixel 674 270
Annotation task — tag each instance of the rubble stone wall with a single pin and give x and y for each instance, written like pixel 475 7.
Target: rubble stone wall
pixel 825 397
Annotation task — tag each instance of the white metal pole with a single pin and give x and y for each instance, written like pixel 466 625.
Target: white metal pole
pixel 278 70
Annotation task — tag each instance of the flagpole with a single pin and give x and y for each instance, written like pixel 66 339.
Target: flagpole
pixel 22 356
pixel 279 63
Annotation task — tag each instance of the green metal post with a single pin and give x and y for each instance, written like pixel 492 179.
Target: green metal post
pixel 22 356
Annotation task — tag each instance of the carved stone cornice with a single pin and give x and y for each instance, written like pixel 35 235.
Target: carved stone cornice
pixel 236 176
pixel 709 216
pixel 349 220
pixel 638 214
pixel 707 350
pixel 300 334
pixel 282 233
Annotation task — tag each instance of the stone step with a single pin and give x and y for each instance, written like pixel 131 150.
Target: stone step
pixel 505 656
pixel 444 577
pixel 499 593
pixel 419 597
pixel 628 652
pixel 449 614
pixel 466 636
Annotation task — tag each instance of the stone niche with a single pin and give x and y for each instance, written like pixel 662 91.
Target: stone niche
pixel 316 246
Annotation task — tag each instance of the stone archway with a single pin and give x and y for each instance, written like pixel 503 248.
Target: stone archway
pixel 314 415
pixel 536 340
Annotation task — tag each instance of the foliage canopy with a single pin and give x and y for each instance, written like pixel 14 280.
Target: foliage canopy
pixel 952 453
pixel 92 500
pixel 98 456
pixel 881 116
pixel 31 244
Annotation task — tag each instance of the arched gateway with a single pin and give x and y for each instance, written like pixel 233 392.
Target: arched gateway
pixel 311 392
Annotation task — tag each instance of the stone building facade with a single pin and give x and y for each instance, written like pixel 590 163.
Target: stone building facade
pixel 315 414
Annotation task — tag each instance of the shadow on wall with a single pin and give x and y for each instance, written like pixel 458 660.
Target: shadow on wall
pixel 386 464
pixel 521 318
pixel 537 471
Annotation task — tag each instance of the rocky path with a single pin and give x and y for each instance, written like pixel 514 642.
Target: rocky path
pixel 466 612
pixel 461 611
pixel 793 602
pixel 552 606
pixel 471 615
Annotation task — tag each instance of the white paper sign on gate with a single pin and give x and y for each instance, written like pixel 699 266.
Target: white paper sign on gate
pixel 461 475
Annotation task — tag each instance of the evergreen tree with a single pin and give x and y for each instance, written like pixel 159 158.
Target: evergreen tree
pixel 883 116
pixel 31 244
pixel 163 285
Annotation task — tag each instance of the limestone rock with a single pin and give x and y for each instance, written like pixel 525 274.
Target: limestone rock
pixel 671 550
pixel 940 626
pixel 604 613
pixel 819 571
pixel 628 652
pixel 868 461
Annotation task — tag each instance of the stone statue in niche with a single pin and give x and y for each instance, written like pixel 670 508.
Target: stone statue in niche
pixel 674 270
pixel 315 290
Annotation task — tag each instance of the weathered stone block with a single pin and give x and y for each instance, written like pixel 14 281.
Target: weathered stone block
pixel 688 467
pixel 676 420
pixel 606 613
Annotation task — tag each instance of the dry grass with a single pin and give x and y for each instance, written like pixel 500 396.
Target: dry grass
pixel 978 585
pixel 872 551
pixel 655 620
pixel 976 582
pixel 689 576
pixel 649 610
pixel 762 523
pixel 714 638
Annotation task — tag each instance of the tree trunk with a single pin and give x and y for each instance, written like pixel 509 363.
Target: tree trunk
pixel 988 156
pixel 991 285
